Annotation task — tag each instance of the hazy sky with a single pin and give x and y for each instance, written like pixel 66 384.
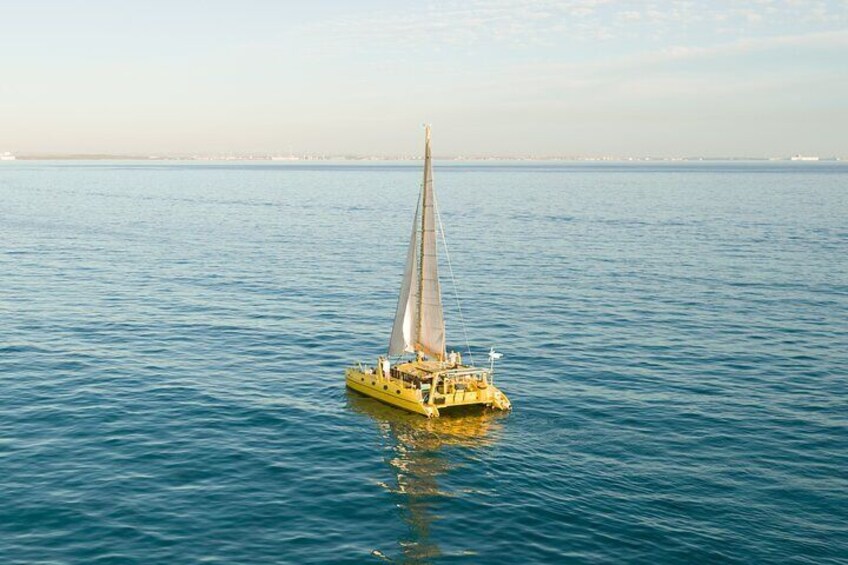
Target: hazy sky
pixel 584 77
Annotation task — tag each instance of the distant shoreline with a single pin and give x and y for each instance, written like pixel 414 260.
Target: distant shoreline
pixel 357 158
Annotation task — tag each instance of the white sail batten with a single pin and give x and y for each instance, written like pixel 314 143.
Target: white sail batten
pixel 419 321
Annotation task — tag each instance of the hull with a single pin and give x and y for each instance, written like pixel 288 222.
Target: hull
pixel 407 396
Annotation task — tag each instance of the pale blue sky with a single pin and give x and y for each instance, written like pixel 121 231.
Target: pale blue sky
pixel 583 77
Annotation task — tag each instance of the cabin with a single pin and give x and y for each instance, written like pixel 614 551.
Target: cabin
pixel 456 384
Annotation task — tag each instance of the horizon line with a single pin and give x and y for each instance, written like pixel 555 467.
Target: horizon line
pixel 290 158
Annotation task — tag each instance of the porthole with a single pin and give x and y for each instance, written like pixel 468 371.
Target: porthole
pixel 373 383
pixel 398 392
pixel 385 387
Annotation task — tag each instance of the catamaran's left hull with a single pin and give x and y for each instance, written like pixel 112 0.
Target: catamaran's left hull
pixel 389 391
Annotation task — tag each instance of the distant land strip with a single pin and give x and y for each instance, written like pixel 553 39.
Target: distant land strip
pixel 312 157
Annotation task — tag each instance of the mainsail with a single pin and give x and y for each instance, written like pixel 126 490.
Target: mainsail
pixel 419 323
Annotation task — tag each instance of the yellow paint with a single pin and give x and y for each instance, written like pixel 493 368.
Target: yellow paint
pixel 454 386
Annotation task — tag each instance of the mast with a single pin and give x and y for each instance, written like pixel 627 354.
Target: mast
pixel 423 228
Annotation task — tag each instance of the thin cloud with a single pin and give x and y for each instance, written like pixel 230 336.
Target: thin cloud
pixel 545 22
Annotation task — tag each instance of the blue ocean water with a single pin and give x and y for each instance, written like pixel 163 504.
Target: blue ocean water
pixel 174 334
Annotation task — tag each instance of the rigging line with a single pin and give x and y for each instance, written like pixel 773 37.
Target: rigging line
pixel 453 279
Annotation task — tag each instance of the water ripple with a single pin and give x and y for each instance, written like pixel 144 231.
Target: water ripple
pixel 174 334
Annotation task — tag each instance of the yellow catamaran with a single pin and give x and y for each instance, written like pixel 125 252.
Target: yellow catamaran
pixel 431 380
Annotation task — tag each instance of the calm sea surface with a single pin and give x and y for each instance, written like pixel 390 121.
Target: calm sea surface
pixel 173 337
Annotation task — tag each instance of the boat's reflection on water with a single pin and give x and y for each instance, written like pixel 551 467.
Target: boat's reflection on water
pixel 417 459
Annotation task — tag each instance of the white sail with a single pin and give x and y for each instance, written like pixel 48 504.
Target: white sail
pixel 403 334
pixel 419 322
